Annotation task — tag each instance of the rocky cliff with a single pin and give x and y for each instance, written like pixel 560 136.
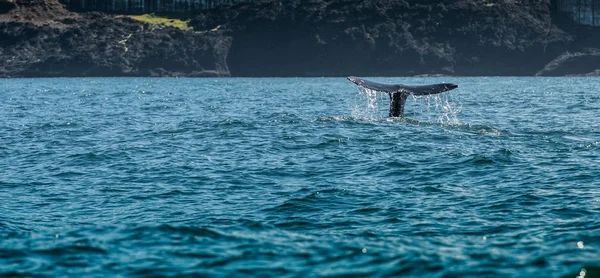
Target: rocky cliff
pixel 41 38
pixel 301 38
pixel 389 37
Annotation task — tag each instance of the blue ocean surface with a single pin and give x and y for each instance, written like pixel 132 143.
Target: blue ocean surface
pixel 299 177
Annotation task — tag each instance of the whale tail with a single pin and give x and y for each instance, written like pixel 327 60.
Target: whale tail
pixel 398 92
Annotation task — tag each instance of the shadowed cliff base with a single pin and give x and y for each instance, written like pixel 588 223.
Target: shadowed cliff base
pixel 389 38
pixel 300 38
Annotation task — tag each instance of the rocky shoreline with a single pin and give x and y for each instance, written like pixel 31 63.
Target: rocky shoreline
pixel 40 38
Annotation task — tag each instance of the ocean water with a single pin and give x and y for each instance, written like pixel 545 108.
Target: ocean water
pixel 299 177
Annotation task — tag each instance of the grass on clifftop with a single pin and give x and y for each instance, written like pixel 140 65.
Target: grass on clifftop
pixel 158 20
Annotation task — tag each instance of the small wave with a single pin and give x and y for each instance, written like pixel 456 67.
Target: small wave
pixel 461 127
pixel 283 117
pixel 475 129
pixel 335 119
pixel 155 108
pixel 53 126
pixel 303 205
pixel 311 202
pixel 367 210
pixel 495 157
pixel 361 119
pixel 231 123
pixel 173 231
pixel 79 248
pixel 68 174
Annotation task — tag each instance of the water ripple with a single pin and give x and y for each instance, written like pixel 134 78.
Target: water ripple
pixel 298 177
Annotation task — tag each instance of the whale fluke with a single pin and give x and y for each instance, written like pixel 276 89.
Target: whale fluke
pixel 398 92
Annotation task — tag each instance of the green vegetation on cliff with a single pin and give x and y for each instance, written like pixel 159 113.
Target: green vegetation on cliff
pixel 164 21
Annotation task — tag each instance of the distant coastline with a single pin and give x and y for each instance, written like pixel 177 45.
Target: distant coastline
pixel 42 38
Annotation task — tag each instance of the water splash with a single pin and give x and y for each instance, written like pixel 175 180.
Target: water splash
pixel 366 105
pixel 372 105
pixel 436 108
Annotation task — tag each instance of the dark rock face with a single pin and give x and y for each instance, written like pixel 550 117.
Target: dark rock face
pixel 7 6
pixel 387 37
pixel 67 44
pixel 33 10
pixel 118 50
pixel 108 48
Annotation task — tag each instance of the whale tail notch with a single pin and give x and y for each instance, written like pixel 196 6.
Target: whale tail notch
pixel 399 92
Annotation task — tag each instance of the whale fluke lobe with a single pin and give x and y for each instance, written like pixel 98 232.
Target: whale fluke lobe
pixel 374 85
pixel 398 92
